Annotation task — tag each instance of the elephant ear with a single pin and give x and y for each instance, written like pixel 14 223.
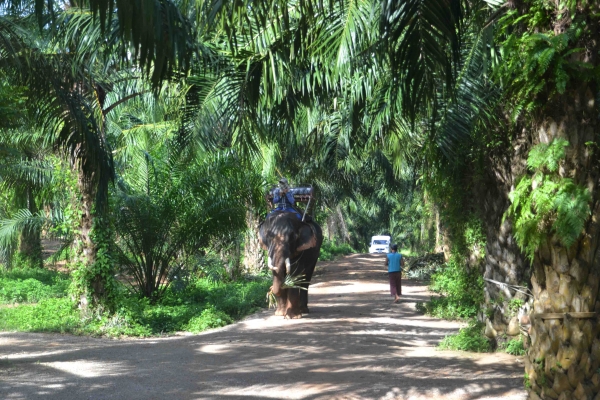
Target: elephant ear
pixel 307 238
pixel 262 239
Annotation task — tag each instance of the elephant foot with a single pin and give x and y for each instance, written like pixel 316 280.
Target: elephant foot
pixel 279 312
pixel 304 310
pixel 292 315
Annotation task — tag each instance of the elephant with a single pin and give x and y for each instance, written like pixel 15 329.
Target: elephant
pixel 293 248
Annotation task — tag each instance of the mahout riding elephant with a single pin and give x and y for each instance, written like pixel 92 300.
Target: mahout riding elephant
pixel 293 248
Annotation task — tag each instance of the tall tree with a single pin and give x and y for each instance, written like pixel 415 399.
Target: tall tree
pixel 551 75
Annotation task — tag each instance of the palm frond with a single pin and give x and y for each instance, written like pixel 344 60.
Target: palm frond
pixel 423 40
pixel 21 220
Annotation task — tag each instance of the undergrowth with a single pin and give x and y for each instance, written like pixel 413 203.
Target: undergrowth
pixel 331 250
pixel 514 347
pixel 469 338
pixel 31 285
pixel 461 291
pixel 200 305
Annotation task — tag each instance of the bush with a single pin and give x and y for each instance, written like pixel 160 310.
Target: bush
pixel 515 347
pixel 461 292
pixel 331 250
pixel 470 338
pixel 202 304
pixel 30 285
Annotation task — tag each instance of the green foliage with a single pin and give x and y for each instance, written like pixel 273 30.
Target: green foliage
pixel 514 347
pixel 526 381
pixel 537 62
pixel 209 266
pixel 49 315
pixel 514 305
pixel 201 304
pixel 461 292
pixel 470 338
pixel 167 207
pixel 31 285
pixel 209 318
pixel 85 277
pixel 475 238
pixel 544 203
pixel 330 250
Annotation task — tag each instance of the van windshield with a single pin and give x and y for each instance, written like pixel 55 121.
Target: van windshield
pixel 380 241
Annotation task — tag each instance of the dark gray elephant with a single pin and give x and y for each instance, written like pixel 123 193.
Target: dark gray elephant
pixel 293 248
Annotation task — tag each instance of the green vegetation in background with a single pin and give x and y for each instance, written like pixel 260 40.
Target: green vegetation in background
pixel 331 250
pixel 380 206
pixel 469 338
pixel 49 315
pixel 540 64
pixel 199 305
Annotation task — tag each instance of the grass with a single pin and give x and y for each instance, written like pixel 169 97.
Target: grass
pixel 202 304
pixel 31 285
pixel 49 315
pixel 469 338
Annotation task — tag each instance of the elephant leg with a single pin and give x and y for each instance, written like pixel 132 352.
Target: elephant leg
pixel 304 299
pixel 311 262
pixel 293 304
pixel 282 303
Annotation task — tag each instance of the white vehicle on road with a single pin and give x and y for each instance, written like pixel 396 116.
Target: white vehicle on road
pixel 380 244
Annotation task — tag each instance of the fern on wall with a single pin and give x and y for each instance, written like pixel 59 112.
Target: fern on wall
pixel 544 203
pixel 542 62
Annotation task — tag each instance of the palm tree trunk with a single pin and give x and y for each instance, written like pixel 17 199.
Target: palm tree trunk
pixel 254 259
pixel 93 290
pixel 564 358
pixel 342 224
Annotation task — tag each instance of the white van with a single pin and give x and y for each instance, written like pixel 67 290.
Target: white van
pixel 380 244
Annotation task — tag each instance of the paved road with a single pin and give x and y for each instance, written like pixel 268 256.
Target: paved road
pixel 355 344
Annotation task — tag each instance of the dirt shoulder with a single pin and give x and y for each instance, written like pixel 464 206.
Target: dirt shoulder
pixel 355 344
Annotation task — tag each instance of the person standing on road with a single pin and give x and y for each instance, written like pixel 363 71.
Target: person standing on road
pixel 394 262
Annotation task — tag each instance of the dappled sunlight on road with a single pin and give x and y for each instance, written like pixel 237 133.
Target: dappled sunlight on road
pixel 354 344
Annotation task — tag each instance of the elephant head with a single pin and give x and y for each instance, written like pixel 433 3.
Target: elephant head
pixel 293 248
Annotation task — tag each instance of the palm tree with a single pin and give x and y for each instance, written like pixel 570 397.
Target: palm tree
pixel 548 71
pixel 337 82
pixel 66 100
pixel 26 171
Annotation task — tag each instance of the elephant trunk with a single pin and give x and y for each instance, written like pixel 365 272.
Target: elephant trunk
pixel 276 288
pixel 279 272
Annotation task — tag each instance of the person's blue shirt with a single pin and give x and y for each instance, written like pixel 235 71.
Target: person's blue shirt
pixel 394 260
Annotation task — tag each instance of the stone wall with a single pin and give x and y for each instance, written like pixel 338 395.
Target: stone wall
pixel 503 263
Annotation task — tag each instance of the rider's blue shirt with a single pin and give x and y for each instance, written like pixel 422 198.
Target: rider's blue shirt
pixel 277 198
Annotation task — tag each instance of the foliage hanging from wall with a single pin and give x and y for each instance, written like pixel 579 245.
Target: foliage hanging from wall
pixel 545 203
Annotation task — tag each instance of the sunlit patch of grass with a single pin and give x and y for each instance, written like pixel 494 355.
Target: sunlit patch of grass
pixel 469 338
